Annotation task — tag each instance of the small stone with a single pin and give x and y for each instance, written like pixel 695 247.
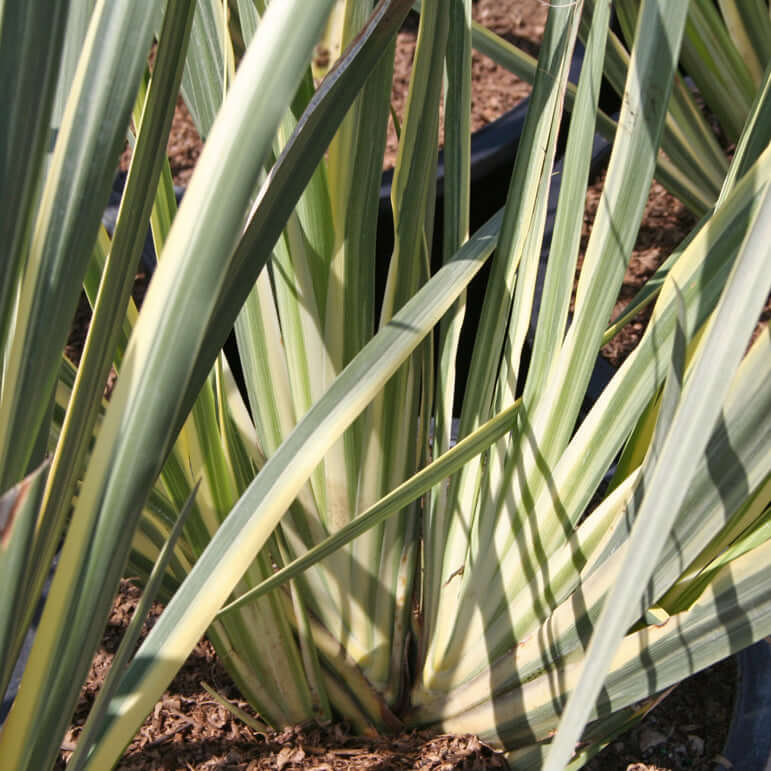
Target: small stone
pixel 650 739
pixel 696 743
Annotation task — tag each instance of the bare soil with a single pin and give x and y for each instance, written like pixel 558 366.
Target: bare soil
pixel 188 729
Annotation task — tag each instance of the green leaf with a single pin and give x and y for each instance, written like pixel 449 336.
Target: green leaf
pixel 76 189
pixel 457 197
pixel 396 500
pixel 749 26
pixel 560 269
pixel 125 462
pixel 118 279
pixel 129 640
pixel 702 399
pixel 252 520
pixel 290 175
pixel 31 41
pixel 203 79
pixel 717 68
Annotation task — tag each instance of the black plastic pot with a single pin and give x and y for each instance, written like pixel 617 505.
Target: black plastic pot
pixel 748 747
pixel 110 217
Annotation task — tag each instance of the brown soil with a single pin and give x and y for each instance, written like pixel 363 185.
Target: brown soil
pixel 190 730
pixel 665 222
pixel 494 89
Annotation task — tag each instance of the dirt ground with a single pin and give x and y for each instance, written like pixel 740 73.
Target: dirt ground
pixel 190 730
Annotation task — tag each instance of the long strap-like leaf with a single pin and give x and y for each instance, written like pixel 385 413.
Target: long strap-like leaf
pixel 696 415
pixel 264 503
pixel 145 405
pixel 31 38
pixel 77 188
